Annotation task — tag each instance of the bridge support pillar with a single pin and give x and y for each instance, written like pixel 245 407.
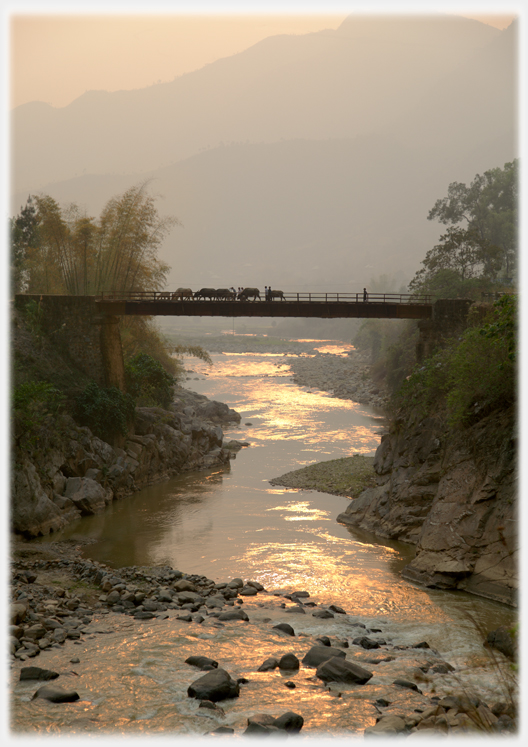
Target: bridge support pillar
pixel 112 352
pixel 449 319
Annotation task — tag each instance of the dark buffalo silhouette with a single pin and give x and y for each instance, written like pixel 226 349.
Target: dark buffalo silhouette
pixel 248 293
pixel 225 294
pixel 205 293
pixel 275 294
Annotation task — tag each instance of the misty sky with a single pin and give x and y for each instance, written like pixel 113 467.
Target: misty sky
pixel 55 58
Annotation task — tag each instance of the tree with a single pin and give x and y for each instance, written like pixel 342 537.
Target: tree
pixel 481 239
pixel 70 252
pixel 24 237
pixel 489 207
pixel 130 234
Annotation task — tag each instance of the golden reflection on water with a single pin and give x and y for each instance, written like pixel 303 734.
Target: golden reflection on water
pixel 330 578
pixel 341 350
pixel 289 411
pixel 302 510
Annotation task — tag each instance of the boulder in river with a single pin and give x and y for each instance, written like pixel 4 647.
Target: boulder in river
pixel 268 665
pixel 36 673
pixel 214 686
pixel 318 654
pixel 236 614
pixel 284 628
pixel 56 694
pixel 289 661
pixel 264 723
pixel 341 670
pixel 322 614
pixel 202 662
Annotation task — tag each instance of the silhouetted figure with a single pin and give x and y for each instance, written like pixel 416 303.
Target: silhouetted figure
pixel 266 292
pixel 365 294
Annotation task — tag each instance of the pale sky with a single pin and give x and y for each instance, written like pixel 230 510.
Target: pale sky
pixel 55 58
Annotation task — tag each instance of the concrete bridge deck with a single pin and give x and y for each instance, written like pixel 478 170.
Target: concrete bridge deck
pixel 321 305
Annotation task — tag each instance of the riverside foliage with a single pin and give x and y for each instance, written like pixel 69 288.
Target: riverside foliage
pixel 476 255
pixel 471 376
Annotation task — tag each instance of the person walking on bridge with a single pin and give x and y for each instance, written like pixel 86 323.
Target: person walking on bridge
pixel 365 295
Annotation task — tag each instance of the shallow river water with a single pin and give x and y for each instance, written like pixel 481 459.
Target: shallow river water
pixel 232 523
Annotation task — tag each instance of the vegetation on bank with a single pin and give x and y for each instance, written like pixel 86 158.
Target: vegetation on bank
pixel 61 250
pixel 471 376
pixel 475 258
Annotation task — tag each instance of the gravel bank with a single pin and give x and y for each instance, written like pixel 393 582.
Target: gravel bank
pixel 348 476
pixel 346 377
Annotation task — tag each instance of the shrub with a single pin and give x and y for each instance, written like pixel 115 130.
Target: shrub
pixel 148 382
pixel 482 367
pixel 34 403
pixel 106 411
pixel 471 376
pixel 33 316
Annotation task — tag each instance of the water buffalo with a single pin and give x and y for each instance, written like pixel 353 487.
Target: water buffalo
pixel 225 294
pixel 182 294
pixel 247 293
pixel 275 294
pixel 206 293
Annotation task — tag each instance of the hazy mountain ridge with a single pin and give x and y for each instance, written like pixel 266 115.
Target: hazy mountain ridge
pixel 291 213
pixel 314 86
pixel 327 158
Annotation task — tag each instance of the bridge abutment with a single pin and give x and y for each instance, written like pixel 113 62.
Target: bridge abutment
pixel 73 323
pixel 112 352
pixel 449 319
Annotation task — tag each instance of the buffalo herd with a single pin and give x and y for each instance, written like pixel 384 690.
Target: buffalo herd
pixel 219 294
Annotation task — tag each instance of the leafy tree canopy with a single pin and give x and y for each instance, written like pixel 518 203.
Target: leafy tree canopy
pixel 62 250
pixel 481 240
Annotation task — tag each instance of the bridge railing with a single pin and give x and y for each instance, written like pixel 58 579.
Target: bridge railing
pixel 399 298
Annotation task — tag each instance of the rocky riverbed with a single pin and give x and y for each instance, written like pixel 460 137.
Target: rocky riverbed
pixel 346 377
pixel 62 602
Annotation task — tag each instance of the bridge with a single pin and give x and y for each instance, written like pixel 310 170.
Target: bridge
pixel 291 304
pixel 87 328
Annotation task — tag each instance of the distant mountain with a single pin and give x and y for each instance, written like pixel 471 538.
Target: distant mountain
pixel 305 160
pixel 330 84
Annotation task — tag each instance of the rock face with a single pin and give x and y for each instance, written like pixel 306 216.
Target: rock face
pixel 453 495
pixel 82 474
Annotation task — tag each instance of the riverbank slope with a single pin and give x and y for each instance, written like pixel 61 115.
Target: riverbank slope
pixel 62 471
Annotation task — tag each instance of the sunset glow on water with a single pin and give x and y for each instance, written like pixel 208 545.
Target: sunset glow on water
pixel 228 523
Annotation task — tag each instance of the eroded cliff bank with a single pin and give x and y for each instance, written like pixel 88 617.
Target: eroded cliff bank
pixel 453 495
pixel 77 474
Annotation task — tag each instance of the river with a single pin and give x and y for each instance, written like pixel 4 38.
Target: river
pixel 231 523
